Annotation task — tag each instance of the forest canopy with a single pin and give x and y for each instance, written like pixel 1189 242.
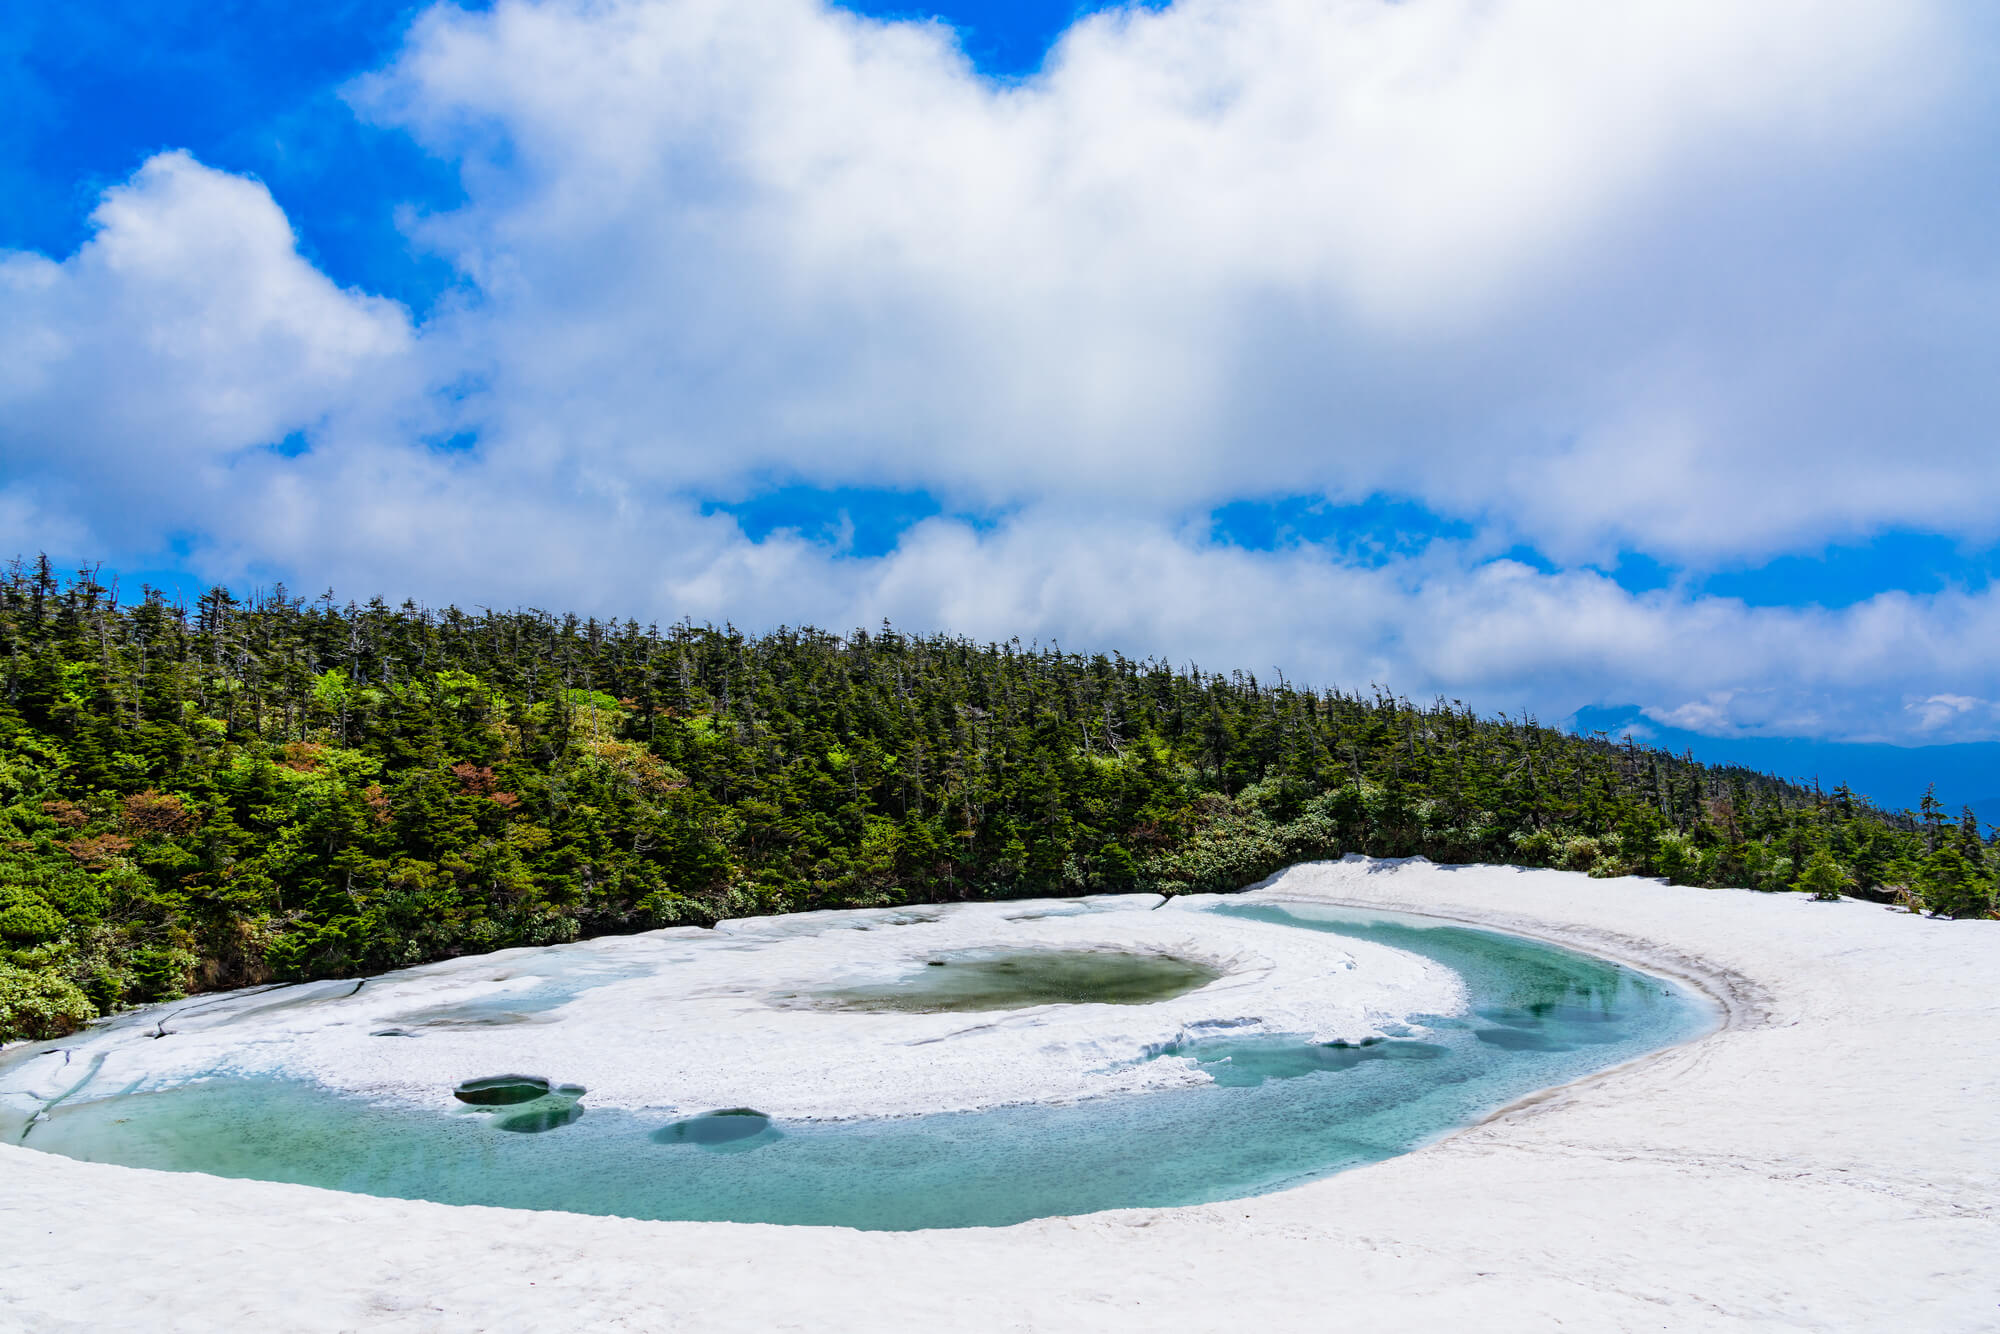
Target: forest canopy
pixel 286 788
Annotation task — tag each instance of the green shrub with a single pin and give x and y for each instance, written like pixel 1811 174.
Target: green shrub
pixel 30 923
pixel 160 974
pixel 1822 878
pixel 1677 858
pixel 1536 847
pixel 1952 887
pixel 1579 853
pixel 40 1005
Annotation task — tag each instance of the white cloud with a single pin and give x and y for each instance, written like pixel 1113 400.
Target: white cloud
pixel 186 331
pixel 1671 274
pixel 1495 633
pixel 1667 274
pixel 1938 712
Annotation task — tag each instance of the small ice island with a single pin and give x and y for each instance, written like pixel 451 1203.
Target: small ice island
pixel 829 1015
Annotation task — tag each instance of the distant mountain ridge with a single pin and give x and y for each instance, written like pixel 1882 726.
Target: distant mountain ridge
pixel 1893 777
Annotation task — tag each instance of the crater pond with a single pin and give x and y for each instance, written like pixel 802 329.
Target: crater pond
pixel 1278 1112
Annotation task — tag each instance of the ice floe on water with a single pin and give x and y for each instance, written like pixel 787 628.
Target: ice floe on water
pixel 813 1015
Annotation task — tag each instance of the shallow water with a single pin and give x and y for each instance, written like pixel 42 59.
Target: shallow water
pixel 1279 1112
pixel 1016 979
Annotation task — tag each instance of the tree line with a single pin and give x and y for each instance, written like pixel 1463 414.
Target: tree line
pixel 284 788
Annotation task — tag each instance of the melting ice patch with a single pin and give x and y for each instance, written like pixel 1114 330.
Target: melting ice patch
pixel 689 1020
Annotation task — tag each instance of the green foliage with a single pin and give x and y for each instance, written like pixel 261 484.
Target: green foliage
pixel 40 1005
pixel 1678 858
pixel 1822 878
pixel 28 923
pixel 1951 885
pixel 232 793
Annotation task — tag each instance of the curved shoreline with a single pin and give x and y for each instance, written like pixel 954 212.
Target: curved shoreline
pixel 1213 1093
pixel 1827 1159
pixel 1720 986
pixel 1743 1002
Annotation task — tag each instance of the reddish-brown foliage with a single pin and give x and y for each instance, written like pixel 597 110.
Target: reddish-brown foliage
pixel 151 814
pixel 66 813
pixel 303 756
pixel 478 781
pixel 98 849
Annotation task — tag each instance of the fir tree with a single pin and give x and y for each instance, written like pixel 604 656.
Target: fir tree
pixel 264 788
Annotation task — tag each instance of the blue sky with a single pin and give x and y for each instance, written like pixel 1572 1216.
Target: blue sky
pixel 254 87
pixel 1636 360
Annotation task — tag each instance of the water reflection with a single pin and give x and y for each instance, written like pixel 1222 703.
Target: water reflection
pixel 1248 1062
pixel 732 1129
pixel 533 1105
pixel 535 1120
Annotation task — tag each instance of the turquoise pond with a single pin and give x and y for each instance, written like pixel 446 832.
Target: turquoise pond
pixel 1279 1112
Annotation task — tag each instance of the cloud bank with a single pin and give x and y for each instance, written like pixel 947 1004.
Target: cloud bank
pixel 1706 282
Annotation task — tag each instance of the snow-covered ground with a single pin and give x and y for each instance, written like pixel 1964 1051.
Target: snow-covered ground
pixel 1829 1160
pixel 686 1020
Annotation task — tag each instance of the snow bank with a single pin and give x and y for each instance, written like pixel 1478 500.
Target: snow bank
pixel 1826 1161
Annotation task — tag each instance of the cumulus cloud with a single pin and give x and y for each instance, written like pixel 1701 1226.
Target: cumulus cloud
pixel 1649 275
pixel 1702 280
pixel 185 332
pixel 1495 633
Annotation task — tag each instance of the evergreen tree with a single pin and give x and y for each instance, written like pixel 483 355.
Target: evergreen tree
pixel 1951 887
pixel 1822 877
pixel 268 788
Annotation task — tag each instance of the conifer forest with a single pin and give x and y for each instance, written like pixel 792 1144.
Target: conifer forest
pixel 284 788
